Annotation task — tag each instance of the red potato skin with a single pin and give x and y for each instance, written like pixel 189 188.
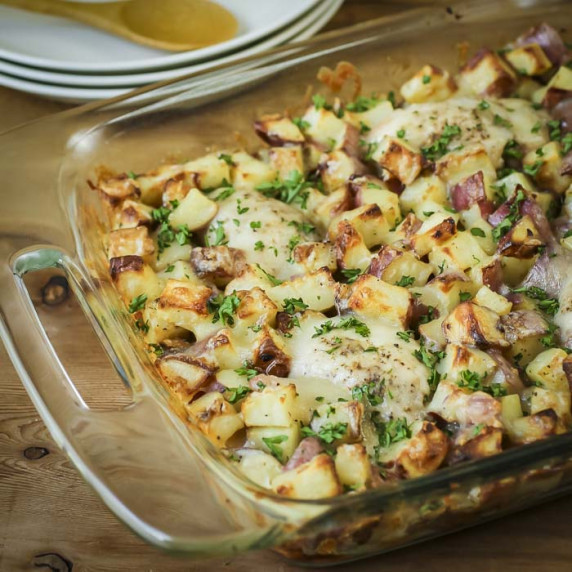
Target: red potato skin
pixel 549 40
pixel 471 191
pixel 382 260
pixel 306 450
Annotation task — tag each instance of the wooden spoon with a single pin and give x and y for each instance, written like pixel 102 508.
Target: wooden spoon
pixel 174 25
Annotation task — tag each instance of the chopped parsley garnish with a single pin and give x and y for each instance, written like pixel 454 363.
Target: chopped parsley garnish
pixel 291 190
pixel 536 127
pixel 273 444
pixel 345 324
pixel 473 381
pixel 157 349
pixel 475 231
pixel 533 169
pixel 464 296
pixel 170 268
pixel 255 224
pixel 293 305
pixel 304 227
pixel 430 359
pixel 430 315
pixel 391 99
pixel 440 145
pixel 247 370
pixel 225 192
pixel 240 209
pixel 300 123
pixel 367 392
pixel 362 103
pixel 351 274
pixel 406 335
pixel 219 236
pixel 401 133
pixel 131 175
pixel 363 128
pixel 142 326
pixel 478 428
pixel 273 280
pixel 319 102
pixel 483 105
pixel 337 345
pixel 547 304
pixel 138 303
pixel 237 393
pixel 548 339
pixel 328 432
pixel 513 215
pixel 370 149
pixel 426 79
pixel 226 158
pixel 512 150
pixel 224 307
pixel 183 235
pixel 405 281
pixel 258 245
pixel 501 121
pixel 392 431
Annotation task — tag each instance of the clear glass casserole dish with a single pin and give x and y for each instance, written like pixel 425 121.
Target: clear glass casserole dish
pixel 166 482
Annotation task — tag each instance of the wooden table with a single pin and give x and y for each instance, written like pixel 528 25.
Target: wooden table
pixel 51 520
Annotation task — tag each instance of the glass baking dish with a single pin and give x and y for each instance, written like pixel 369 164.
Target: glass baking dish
pixel 161 478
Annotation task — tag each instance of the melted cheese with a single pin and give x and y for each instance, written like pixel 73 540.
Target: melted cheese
pixel 276 232
pixel 423 121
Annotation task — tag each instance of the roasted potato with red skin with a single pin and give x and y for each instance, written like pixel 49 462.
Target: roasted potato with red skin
pixel 487 74
pixel 277 130
pixel 219 264
pixel 470 191
pixel 522 240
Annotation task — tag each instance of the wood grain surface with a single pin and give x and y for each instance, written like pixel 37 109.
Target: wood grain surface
pixel 51 520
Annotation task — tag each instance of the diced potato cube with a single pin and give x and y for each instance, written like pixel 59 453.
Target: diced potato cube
pixel 424 196
pixel 315 289
pixel 285 160
pixel 215 417
pixel 351 250
pixel 313 480
pixel 430 83
pixel 487 74
pixel 172 254
pixel 542 399
pixel 547 161
pixel 133 277
pixel 444 292
pixel 374 193
pixel 399 158
pixel 132 214
pixel 529 60
pixel 547 370
pixel 184 375
pixel 534 427
pixel 195 211
pixel 329 130
pixel 558 88
pixel 130 242
pixel 322 210
pixel 277 130
pixel 374 298
pixel 469 324
pixel 462 163
pixel 436 229
pixel 495 302
pixel 515 269
pixel 259 467
pixel 271 407
pixel 336 168
pixel 432 334
pixel 371 117
pixel 249 172
pixel 353 466
pixel 511 408
pixel 207 172
pixel 348 413
pixel 392 265
pixel 461 358
pixel 460 252
pixel 311 256
pixel 280 442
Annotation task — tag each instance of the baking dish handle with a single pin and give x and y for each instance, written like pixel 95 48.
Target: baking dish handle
pixel 144 470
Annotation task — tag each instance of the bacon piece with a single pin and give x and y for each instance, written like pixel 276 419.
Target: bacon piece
pixel 471 191
pixel 306 450
pixel 548 39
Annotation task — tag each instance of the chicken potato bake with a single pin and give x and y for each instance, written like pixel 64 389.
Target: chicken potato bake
pixel 383 289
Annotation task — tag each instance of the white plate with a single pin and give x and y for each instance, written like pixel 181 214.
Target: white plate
pixel 79 95
pixel 132 80
pixel 63 45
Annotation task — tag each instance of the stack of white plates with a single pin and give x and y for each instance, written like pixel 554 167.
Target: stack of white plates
pixel 67 61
